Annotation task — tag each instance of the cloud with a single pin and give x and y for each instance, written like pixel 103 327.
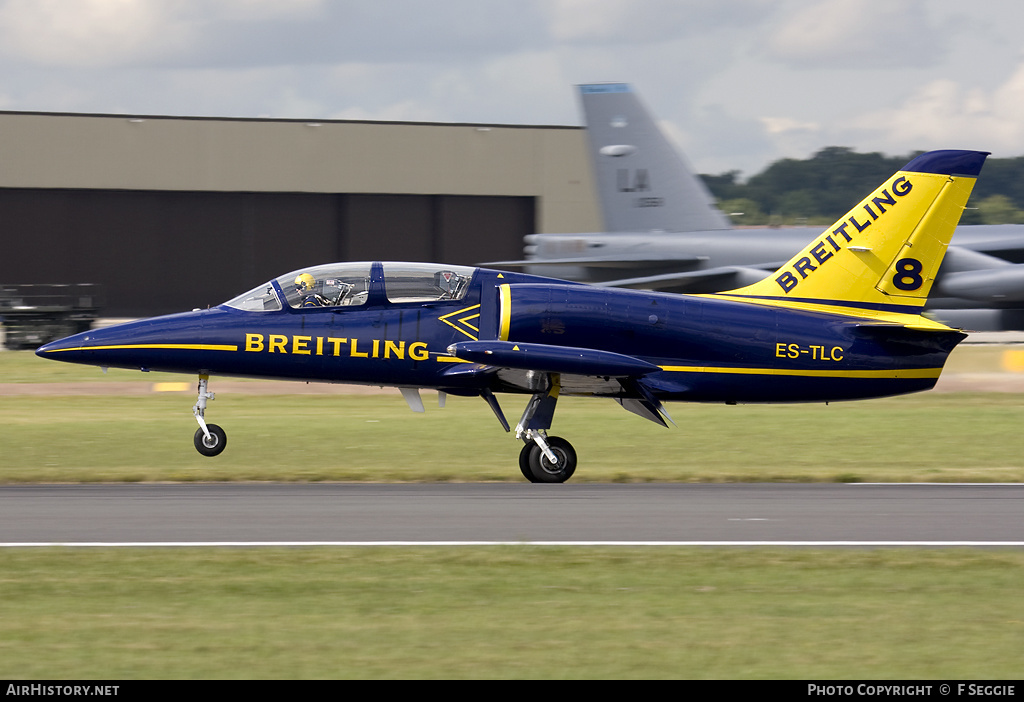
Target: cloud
pixel 385 32
pixel 248 33
pixel 743 82
pixel 615 22
pixel 788 125
pixel 250 10
pixel 525 87
pixel 945 114
pixel 87 32
pixel 716 141
pixel 857 34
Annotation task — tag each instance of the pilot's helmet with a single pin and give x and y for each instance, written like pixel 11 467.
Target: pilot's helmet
pixel 304 282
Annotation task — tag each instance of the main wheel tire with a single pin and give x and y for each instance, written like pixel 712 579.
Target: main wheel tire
pixel 214 445
pixel 543 471
pixel 524 461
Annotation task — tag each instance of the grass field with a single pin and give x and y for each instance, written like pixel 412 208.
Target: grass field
pixel 146 436
pixel 505 612
pixel 511 613
pixel 939 437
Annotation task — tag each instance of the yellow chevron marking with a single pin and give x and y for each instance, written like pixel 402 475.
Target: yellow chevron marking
pixel 463 321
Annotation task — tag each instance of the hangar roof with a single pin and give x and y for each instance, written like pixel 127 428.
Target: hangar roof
pixel 146 152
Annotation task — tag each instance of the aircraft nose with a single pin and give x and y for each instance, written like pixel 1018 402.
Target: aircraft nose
pixel 77 341
pixel 170 342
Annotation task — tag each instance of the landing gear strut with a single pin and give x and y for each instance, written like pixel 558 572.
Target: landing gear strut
pixel 209 439
pixel 544 459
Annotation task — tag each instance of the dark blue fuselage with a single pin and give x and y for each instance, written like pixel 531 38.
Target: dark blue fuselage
pixel 715 349
pixel 708 349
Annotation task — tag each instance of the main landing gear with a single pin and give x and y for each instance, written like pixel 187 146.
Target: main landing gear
pixel 537 467
pixel 210 439
pixel 544 459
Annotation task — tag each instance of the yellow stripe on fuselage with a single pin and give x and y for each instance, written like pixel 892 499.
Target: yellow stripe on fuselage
pixel 505 297
pixel 168 347
pixel 905 319
pixel 891 374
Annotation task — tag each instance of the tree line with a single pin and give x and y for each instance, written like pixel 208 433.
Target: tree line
pixel 821 189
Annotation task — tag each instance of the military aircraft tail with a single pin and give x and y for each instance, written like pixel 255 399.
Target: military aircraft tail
pixel 883 254
pixel 644 184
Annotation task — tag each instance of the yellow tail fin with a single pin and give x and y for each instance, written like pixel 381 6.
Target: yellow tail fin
pixel 886 251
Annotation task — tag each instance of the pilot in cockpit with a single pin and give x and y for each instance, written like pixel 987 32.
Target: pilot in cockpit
pixel 305 283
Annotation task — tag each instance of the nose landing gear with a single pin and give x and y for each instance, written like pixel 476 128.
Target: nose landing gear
pixel 209 439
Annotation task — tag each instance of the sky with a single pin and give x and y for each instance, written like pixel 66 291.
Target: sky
pixel 737 84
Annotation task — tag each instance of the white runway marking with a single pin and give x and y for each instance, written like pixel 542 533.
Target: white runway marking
pixel 935 484
pixel 255 544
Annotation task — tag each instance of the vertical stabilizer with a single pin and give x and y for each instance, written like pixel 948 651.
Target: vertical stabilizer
pixel 886 251
pixel 643 183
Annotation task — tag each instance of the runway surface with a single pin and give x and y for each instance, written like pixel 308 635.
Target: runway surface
pixel 741 514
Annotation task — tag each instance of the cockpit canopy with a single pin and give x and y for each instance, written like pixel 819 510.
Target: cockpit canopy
pixel 348 285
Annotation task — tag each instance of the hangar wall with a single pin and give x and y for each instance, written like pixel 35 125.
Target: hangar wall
pixel 176 213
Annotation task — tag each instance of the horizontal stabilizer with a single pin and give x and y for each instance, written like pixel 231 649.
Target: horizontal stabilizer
pixel 887 327
pixel 1003 284
pixel 937 336
pixel 551 359
pixel 1004 247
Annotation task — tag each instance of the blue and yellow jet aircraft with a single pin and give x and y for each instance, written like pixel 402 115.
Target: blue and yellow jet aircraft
pixel 840 321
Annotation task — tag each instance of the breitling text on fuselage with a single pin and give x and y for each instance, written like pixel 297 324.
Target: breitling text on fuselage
pixel 302 345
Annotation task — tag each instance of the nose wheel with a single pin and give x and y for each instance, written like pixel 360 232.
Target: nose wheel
pixel 213 444
pixel 209 439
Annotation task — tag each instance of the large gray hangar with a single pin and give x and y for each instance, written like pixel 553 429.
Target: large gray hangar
pixel 171 213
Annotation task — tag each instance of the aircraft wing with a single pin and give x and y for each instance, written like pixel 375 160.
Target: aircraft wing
pixel 581 371
pixel 551 359
pixel 1003 284
pixel 702 281
pixel 1009 248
